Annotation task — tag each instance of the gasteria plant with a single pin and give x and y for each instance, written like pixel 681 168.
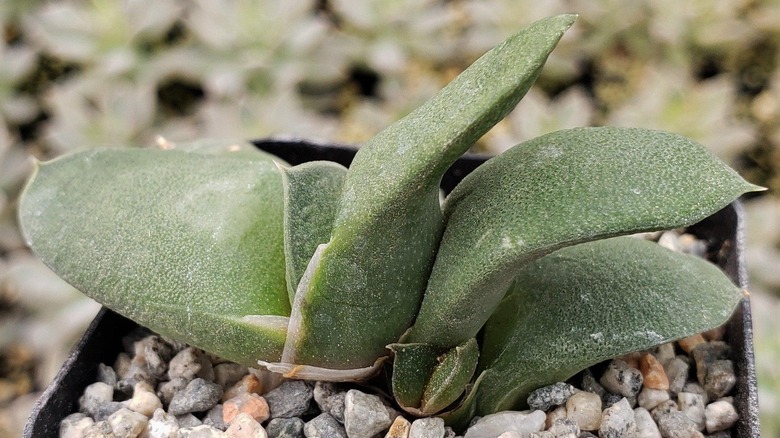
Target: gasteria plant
pixel 319 272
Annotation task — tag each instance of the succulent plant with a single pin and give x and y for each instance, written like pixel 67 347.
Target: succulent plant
pixel 517 280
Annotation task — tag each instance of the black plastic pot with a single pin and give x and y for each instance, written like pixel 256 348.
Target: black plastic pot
pixel 101 343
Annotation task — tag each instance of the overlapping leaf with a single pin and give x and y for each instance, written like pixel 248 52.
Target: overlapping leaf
pixel 560 189
pixel 189 244
pixel 389 221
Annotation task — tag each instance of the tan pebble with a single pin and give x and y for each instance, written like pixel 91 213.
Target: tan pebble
pixel 247 385
pixel 559 412
pixel 653 374
pixel 689 343
pixel 584 408
pixel 244 426
pixel 400 428
pixel 252 404
pixel 632 359
pixel 511 434
pixel 144 400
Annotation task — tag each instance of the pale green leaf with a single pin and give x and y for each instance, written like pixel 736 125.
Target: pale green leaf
pixel 590 302
pixel 389 221
pixel 187 244
pixel 311 195
pixel 413 365
pixel 560 189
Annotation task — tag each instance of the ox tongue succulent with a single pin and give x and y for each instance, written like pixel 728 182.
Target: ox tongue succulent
pixel 321 272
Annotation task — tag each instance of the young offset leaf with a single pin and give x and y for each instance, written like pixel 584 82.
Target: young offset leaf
pixel 556 190
pixel 427 379
pixel 311 195
pixel 587 303
pixel 389 221
pixel 187 244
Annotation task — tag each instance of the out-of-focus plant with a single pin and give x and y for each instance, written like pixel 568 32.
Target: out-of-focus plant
pixel 320 272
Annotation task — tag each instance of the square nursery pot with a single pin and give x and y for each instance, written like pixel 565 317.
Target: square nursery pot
pixel 722 232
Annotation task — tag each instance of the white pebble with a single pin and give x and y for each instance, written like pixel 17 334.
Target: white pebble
pixel 201 431
pixel 126 423
pixel 493 425
pixel 645 426
pixel 431 427
pixel 162 425
pixel 692 405
pixel 720 415
pixel 144 401
pixel 244 426
pixel 649 398
pixel 74 425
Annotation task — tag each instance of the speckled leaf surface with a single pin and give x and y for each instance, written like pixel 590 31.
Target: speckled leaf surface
pixel 187 244
pixel 560 189
pixel 450 378
pixel 389 221
pixel 311 195
pixel 413 365
pixel 591 302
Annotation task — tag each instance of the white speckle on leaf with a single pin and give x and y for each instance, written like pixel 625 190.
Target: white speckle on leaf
pixel 597 336
pixel 636 191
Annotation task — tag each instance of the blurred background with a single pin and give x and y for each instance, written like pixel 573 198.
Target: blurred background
pixel 80 74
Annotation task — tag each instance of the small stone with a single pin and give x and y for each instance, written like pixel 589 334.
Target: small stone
pixel 695 388
pixel 244 426
pixel 200 431
pixel 74 425
pixel 144 401
pixel 285 428
pixel 448 432
pixel 584 408
pixel 677 374
pixel 676 425
pixel 525 422
pixel 228 373
pixel 105 410
pixel 330 399
pixel 645 426
pixel 565 428
pixel 365 415
pixel 156 354
pixel 664 408
pixel 591 384
pixel 689 343
pixel 99 429
pixel 188 420
pixel 431 427
pixel 649 398
pixel 248 384
pixel 631 359
pixel 198 396
pixel 106 374
pixel 621 379
pixel 290 399
pixel 692 405
pixel 665 352
pixel 137 372
pixel 122 364
pixel 610 399
pixel 399 429
pixel 251 404
pixel 214 418
pixel 703 357
pixel 126 423
pixel 323 426
pixel 653 374
pixel 559 412
pixel 189 364
pixel 162 425
pixel 546 397
pixel 95 395
pixel 542 434
pixel 166 390
pixel 617 421
pixel 720 415
pixel 587 434
pixel 720 379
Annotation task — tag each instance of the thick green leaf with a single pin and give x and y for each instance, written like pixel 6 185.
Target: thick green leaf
pixel 311 195
pixel 587 303
pixel 449 379
pixel 427 379
pixel 413 365
pixel 560 189
pixel 389 221
pixel 187 244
